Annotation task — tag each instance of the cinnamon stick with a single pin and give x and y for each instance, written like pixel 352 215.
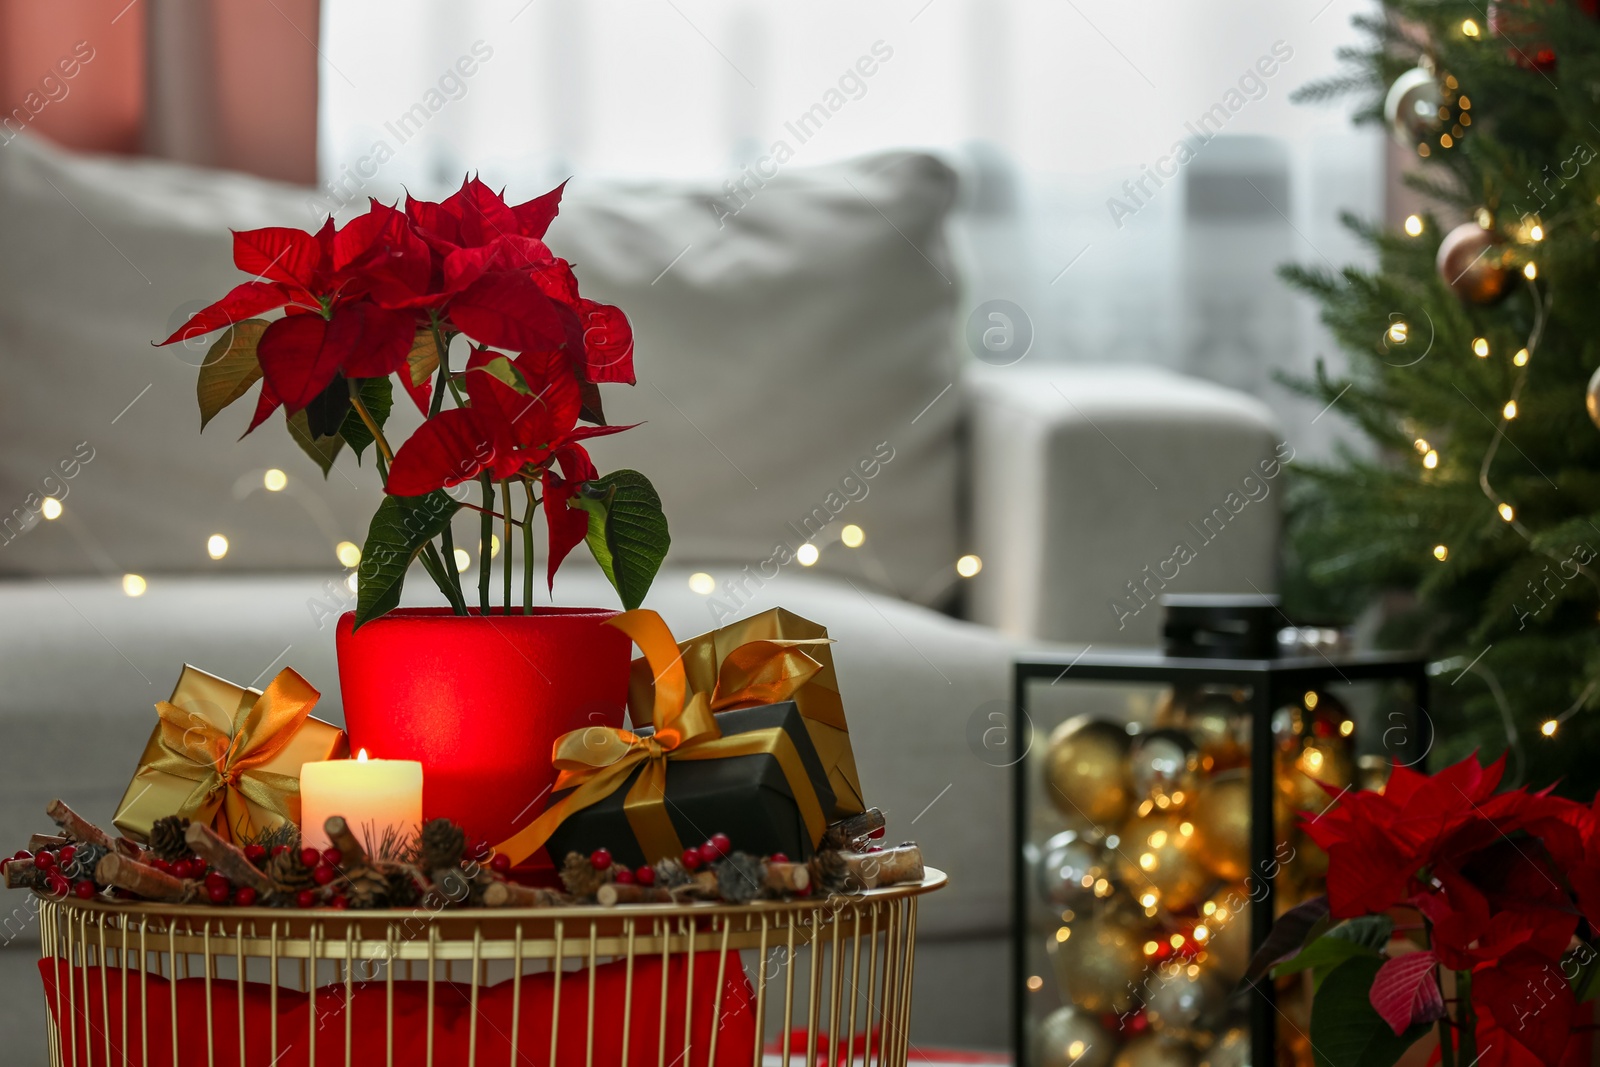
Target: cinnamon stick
pixel 351 854
pixel 787 879
pixel 845 832
pixel 513 895
pixel 226 857
pixel 611 894
pixel 143 880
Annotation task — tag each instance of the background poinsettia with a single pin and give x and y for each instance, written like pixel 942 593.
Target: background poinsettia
pixel 384 297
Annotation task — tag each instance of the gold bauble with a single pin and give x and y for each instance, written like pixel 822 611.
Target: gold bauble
pixel 1158 860
pixel 1232 1049
pixel 1086 770
pixel 1226 918
pixel 1164 766
pixel 1324 760
pixel 1186 1000
pixel 1372 771
pixel 1411 109
pixel 1222 823
pixel 1155 1050
pixel 1072 871
pixel 1101 963
pixel 1218 725
pixel 1472 261
pixel 1071 1035
pixel 1591 398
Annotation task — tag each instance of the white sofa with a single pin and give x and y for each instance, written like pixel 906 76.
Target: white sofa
pixel 819 324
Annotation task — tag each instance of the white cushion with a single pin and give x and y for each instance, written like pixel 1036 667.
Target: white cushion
pixel 774 355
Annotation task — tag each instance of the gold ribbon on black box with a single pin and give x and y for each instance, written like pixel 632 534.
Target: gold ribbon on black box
pixel 228 756
pixel 773 656
pixel 594 762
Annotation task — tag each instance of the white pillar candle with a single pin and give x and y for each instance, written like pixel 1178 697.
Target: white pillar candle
pixel 372 795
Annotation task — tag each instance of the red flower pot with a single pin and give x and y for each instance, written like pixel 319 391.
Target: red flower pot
pixel 480 701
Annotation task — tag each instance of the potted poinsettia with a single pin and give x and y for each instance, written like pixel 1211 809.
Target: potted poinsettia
pixel 484 329
pixel 1455 908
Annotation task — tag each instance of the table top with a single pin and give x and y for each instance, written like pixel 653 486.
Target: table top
pixel 1136 664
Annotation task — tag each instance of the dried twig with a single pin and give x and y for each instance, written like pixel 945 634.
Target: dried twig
pixel 226 857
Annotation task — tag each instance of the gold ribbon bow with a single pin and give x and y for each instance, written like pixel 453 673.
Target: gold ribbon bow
pixel 594 762
pixel 226 768
pixel 763 672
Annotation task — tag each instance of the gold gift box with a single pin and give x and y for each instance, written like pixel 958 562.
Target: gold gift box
pixel 199 726
pixel 706 661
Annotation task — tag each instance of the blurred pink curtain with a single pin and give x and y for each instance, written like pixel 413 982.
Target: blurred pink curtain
pixel 217 83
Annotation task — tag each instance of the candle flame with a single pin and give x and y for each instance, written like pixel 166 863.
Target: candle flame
pixel 361 757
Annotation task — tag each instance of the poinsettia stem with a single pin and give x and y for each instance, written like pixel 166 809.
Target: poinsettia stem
pixel 458 599
pixel 527 552
pixel 442 347
pixel 372 427
pixel 1469 1026
pixel 506 541
pixel 485 542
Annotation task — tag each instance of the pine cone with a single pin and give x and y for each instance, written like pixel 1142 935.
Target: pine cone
pixel 670 874
pixel 364 887
pixel 288 874
pixel 167 840
pixel 740 878
pixel 443 844
pixel 403 889
pixel 829 871
pixel 581 877
pixel 85 858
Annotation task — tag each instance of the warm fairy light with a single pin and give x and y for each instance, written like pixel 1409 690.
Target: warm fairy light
pixel 133 585
pixel 807 555
pixel 1146 806
pixel 1063 933
pixel 494 545
pixel 463 559
pixel 274 480
pixel 1151 948
pixel 1530 272
pixel 1398 332
pixel 1209 907
pixel 968 565
pixel 1035 983
pixel 1185 829
pixel 1536 232
pixel 1311 699
pixel 1176 940
pixel 350 581
pixel 1421 444
pixel 349 553
pixel 1177 799
pixel 702 583
pixel 1469 28
pixel 1076 1049
pixel 1431 460
pixel 1548 727
pixel 1193 970
pixel 1446 141
pixel 1506 512
pixel 1086 881
pixel 1441 553
pixel 1414 225
pixel 1163 802
pixel 1485 219
pixel 1313 761
pixel 1510 410
pixel 1464 104
pixel 852 536
pixel 1148 900
pixel 1102 888
pixel 1480 347
pixel 216 546
pixel 50 508
pixel 1201 932
pixel 1148 861
pixel 1521 358
pixel 1347 728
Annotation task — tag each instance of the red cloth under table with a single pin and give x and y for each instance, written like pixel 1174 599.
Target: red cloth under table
pixel 99 1025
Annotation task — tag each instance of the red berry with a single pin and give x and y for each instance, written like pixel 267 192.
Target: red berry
pixel 85 890
pixel 3 864
pixel 645 876
pixel 803 892
pixel 184 869
pixel 278 850
pixel 44 860
pixel 341 902
pixel 305 898
pixel 324 875
pixel 501 863
pixel 56 885
pixel 708 854
pixel 778 857
pixel 623 876
pixel 67 852
pixel 691 859
pixel 875 848
pixel 245 896
pixel 600 859
pixel 219 894
pixel 720 844
pixel 310 857
pixel 879 832
pixel 22 854
pixel 255 854
pixel 216 878
pixel 332 856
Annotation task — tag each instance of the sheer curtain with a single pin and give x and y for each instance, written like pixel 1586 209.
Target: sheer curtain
pixel 1048 106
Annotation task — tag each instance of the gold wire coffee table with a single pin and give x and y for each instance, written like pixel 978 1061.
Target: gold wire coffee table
pixel 822 979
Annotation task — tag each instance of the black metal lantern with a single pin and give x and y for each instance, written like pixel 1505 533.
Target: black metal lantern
pixel 1138 846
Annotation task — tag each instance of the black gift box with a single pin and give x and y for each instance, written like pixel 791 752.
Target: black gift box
pixel 1221 625
pixel 746 797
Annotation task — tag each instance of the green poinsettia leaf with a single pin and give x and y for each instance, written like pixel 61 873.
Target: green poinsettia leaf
pixel 400 528
pixel 423 359
pixel 1321 956
pixel 377 395
pixel 502 368
pixel 322 450
pixel 230 368
pixel 1346 1030
pixel 627 531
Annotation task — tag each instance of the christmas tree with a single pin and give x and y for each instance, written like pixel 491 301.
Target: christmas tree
pixel 1474 516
